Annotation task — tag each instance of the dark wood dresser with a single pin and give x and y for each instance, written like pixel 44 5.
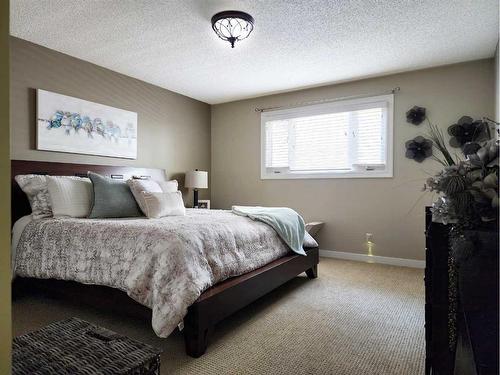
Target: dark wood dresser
pixel 439 357
pixel 476 349
pixel 477 314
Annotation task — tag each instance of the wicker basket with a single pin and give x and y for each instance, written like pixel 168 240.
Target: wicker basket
pixel 74 346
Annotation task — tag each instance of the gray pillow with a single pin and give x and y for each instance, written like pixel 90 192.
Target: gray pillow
pixel 111 198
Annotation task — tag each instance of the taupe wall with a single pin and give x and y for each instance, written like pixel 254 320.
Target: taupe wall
pixel 391 209
pixel 173 130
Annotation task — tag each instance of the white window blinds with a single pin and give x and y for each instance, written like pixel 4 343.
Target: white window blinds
pixel 328 140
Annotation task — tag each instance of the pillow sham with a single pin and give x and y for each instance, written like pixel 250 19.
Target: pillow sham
pixel 164 204
pixel 111 198
pixel 70 196
pixel 35 188
pixel 150 186
pixel 138 186
pixel 169 186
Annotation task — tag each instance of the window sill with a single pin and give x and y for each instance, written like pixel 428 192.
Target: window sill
pixel 324 176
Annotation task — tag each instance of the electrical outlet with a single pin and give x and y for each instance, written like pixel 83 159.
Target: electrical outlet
pixel 369 237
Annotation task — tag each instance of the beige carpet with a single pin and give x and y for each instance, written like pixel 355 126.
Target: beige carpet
pixel 356 318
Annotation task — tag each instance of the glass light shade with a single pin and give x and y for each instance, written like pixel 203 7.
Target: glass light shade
pixel 232 25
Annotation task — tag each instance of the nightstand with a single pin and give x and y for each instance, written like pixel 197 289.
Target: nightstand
pixel 314 227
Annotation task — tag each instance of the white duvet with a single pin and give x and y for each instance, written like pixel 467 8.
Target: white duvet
pixel 164 264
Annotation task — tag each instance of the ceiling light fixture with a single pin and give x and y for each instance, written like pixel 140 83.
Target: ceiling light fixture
pixel 232 25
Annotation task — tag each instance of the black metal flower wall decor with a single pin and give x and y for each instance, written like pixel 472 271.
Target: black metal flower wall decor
pixel 470 148
pixel 418 149
pixel 465 131
pixel 416 115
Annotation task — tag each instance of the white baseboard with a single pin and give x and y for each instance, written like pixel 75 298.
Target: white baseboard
pixel 413 263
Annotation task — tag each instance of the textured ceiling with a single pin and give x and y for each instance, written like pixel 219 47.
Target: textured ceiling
pixel 295 44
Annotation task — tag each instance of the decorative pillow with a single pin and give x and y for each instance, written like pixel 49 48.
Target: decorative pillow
pixel 150 186
pixel 138 186
pixel 70 196
pixel 111 198
pixel 169 186
pixel 35 188
pixel 164 204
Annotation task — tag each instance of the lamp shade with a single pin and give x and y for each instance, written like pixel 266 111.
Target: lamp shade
pixel 196 180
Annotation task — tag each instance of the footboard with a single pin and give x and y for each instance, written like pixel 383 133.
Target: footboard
pixel 231 295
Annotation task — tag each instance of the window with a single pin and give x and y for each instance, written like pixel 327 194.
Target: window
pixel 349 138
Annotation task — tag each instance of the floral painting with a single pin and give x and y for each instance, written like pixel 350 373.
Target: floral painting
pixel 68 124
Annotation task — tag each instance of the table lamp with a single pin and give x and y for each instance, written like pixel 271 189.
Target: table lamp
pixel 196 180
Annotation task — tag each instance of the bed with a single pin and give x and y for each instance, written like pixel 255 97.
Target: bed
pixel 238 275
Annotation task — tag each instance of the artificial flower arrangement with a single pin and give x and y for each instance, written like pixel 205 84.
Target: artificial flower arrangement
pixel 468 186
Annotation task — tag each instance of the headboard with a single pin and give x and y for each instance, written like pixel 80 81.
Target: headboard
pixel 19 202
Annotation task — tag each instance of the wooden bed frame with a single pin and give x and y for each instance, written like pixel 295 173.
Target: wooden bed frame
pixel 211 307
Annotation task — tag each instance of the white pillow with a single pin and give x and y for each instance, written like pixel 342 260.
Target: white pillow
pixel 169 186
pixel 70 196
pixel 35 188
pixel 139 186
pixel 164 204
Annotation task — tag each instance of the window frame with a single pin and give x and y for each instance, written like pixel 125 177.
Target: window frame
pixel 323 108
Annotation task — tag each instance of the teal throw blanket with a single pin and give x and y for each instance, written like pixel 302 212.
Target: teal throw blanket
pixel 286 222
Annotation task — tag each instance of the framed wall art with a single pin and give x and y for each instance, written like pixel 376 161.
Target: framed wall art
pixel 68 124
